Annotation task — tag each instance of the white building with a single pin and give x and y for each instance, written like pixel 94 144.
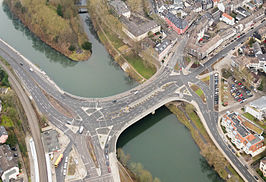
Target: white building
pixel 120 8
pixel 259 63
pixel 162 49
pixel 263 166
pixel 227 19
pixel 257 108
pixel 11 173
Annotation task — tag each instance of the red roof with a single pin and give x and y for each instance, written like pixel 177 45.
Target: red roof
pixel 227 16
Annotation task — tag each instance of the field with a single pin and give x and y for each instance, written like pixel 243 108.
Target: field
pixel 199 92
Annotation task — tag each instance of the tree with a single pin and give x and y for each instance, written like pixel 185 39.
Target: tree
pixel 59 10
pixel 156 179
pixel 145 176
pixel 71 48
pixel 123 158
pixel 86 46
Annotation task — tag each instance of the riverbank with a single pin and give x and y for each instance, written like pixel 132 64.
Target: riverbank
pixel 63 33
pixel 109 31
pixel 187 115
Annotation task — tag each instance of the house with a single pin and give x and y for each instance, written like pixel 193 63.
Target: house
pixel 8 164
pixel 216 15
pixel 120 8
pixel 257 108
pixel 257 37
pixel 241 136
pixel 3 135
pixel 263 166
pixel 242 11
pixel 197 7
pixel 215 2
pixel 258 64
pixel 257 49
pixel 50 141
pixel 228 19
pixel 163 48
pixel 250 6
pixel 258 2
pixel 137 28
pixel 177 24
pixel 207 4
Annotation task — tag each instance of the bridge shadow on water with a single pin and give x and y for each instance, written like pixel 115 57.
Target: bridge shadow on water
pixel 37 43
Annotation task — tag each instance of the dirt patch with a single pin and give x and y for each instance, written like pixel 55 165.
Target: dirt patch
pixel 59 106
pixel 71 167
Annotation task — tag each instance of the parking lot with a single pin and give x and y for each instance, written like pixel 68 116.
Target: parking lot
pixel 216 91
pixel 238 91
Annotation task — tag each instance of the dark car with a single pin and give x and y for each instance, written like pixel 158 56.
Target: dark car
pixel 21 64
pixel 14 148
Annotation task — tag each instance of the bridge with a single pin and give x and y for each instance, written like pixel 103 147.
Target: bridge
pixel 104 119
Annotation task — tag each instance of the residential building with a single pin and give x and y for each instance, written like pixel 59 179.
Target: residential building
pixel 207 4
pixel 257 37
pixel 8 164
pixel 228 19
pixel 257 49
pixel 257 108
pixel 263 166
pixel 241 136
pixel 215 2
pixel 197 7
pixel 216 15
pixel 250 20
pixel 201 50
pixel 258 2
pixel 3 135
pixel 250 6
pixel 50 141
pixel 137 28
pixel 242 11
pixel 120 8
pixel 163 49
pixel 177 24
pixel 258 64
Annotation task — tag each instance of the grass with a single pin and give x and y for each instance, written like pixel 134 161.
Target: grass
pixel 199 92
pixel 253 127
pixel 7 122
pixel 235 173
pixel 206 80
pixel 117 43
pixel 145 70
pixel 71 167
pixel 255 120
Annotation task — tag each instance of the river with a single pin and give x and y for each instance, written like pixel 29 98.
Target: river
pixel 161 143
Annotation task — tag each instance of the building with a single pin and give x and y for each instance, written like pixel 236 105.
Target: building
pixel 163 49
pixel 8 164
pixel 242 12
pixel 201 50
pixel 3 135
pixel 258 64
pixel 177 24
pixel 228 19
pixel 241 136
pixel 250 6
pixel 263 166
pixel 257 108
pixel 50 141
pixel 257 49
pixel 137 28
pixel 258 2
pixel 215 2
pixel 216 15
pixel 120 8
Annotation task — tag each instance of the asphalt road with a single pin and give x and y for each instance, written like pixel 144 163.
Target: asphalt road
pixel 111 115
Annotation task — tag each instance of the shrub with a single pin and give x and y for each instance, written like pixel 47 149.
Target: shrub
pixel 86 45
pixel 72 48
pixel 59 10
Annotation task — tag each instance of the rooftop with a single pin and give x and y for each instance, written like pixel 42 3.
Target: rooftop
pixel 3 131
pixel 119 6
pixel 50 140
pixel 178 22
pixel 227 16
pixel 162 46
pixel 239 127
pixel 138 26
pixel 7 160
pixel 259 103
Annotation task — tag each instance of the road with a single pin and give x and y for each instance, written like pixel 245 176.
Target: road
pixel 32 120
pixel 108 117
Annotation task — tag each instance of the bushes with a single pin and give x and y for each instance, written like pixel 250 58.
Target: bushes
pixel 87 46
pixel 59 10
pixel 72 48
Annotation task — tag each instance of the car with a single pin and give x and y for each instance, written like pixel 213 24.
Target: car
pixel 14 148
pixel 21 64
pixel 64 172
pixel 106 156
pixel 65 165
pixel 114 101
pixel 107 163
pixel 106 145
pixel 109 170
pixel 15 155
pixel 229 146
pixel 31 69
pixel 106 151
pixel 256 178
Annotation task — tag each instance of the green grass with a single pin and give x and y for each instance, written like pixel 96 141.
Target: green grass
pixel 206 79
pixel 113 38
pixel 138 64
pixel 255 120
pixel 7 122
pixel 235 173
pixel 199 92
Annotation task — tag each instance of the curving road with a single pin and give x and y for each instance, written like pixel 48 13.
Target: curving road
pixel 109 117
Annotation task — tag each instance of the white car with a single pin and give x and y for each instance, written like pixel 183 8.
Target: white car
pixel 64 172
pixel 31 69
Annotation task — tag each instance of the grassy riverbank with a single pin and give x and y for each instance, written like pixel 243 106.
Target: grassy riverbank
pixel 55 22
pixel 109 30
pixel 186 114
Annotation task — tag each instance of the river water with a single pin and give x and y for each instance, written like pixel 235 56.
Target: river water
pixel 161 143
